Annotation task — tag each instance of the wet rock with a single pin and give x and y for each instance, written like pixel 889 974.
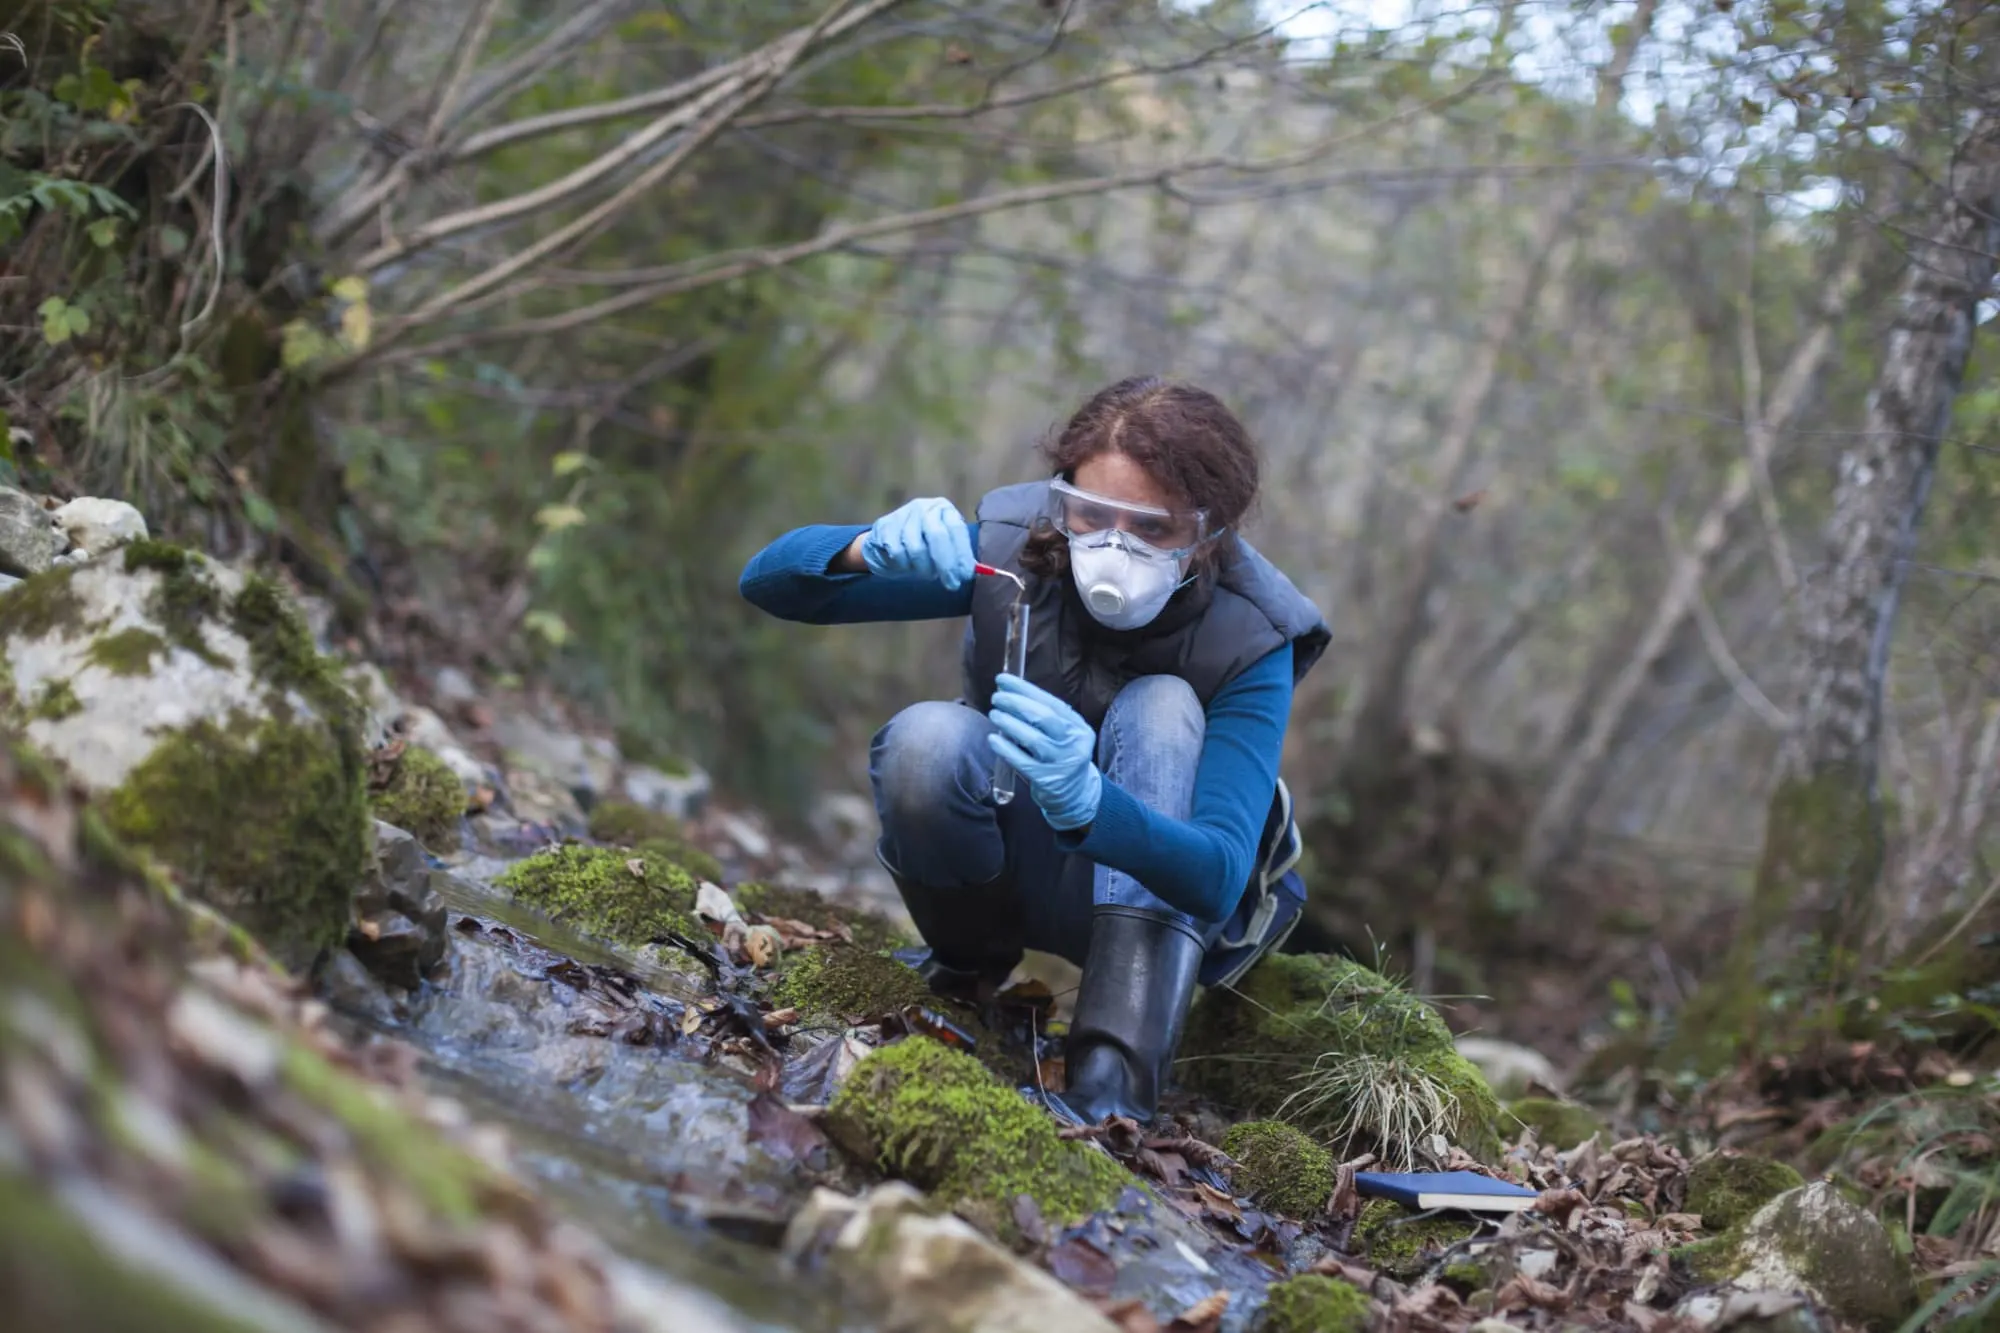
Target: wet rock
pixel 344 982
pixel 561 760
pixel 98 526
pixel 930 1272
pixel 1361 1050
pixel 398 931
pixel 1559 1125
pixel 1726 1187
pixel 607 893
pixel 538 799
pixel 681 794
pixel 380 705
pixel 1813 1242
pixel 214 735
pixel 1510 1068
pixel 420 794
pixel 420 726
pixel 29 538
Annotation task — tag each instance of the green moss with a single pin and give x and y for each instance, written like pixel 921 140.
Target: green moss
pixel 1464 1274
pixel 1706 1260
pixel 1313 1303
pixel 186 600
pixel 55 701
pixel 836 981
pixel 597 890
pixel 1556 1124
pixel 267 821
pixel 939 1119
pixel 685 854
pixel 282 651
pixel 1727 1187
pixel 447 1180
pixel 870 931
pixel 423 797
pixel 627 823
pixel 129 652
pixel 1280 1168
pixel 1298 1017
pixel 1404 1245
pixel 58 1274
pixel 41 606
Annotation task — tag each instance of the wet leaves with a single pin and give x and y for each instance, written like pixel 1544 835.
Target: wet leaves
pixel 1082 1265
pixel 785 1133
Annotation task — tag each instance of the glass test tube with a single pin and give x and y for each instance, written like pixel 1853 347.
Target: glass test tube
pixel 1016 662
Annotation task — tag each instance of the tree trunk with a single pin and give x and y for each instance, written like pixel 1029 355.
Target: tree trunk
pixel 1557 828
pixel 1385 698
pixel 1823 838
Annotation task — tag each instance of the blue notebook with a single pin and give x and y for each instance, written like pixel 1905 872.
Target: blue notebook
pixel 1425 1190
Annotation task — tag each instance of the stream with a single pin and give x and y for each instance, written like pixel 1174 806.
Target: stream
pixel 648 1147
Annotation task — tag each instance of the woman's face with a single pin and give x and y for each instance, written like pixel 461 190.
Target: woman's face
pixel 1115 476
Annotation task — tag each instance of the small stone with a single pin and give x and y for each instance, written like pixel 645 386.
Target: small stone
pixel 680 795
pixel 97 525
pixel 1813 1242
pixel 452 688
pixel 29 539
pixel 348 986
pixel 221 1036
pixel 1726 1187
pixel 399 917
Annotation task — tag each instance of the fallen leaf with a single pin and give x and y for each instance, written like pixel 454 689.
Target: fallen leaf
pixel 1465 504
pixel 778 1018
pixel 1130 1315
pixel 797 934
pixel 1082 1265
pixel 637 865
pixel 783 1131
pixel 1217 1203
pixel 762 946
pixel 1523 1292
pixel 1559 1204
pixel 957 55
pixel 1204 1316
pixel 1169 1168
pixel 690 1021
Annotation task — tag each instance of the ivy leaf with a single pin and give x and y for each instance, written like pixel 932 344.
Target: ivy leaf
pixel 568 461
pixel 103 233
pixel 258 510
pixel 548 625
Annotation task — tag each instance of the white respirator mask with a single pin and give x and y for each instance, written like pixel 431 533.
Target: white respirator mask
pixel 1128 559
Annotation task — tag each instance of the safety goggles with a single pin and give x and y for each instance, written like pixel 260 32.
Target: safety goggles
pixel 1083 515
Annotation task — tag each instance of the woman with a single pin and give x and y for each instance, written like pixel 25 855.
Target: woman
pixel 1162 654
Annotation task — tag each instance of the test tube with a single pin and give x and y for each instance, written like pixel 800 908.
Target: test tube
pixel 1016 662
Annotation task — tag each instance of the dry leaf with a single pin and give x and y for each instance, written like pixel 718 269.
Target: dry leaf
pixel 1082 1265
pixel 1216 1202
pixel 690 1021
pixel 777 1018
pixel 1204 1316
pixel 637 865
pixel 762 946
pixel 781 1130
pixel 1130 1315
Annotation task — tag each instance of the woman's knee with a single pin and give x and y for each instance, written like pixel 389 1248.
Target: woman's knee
pixel 1160 713
pixel 926 753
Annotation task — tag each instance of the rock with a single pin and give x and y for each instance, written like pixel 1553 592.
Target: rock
pixel 1812 1242
pixel 9 581
pixel 452 688
pixel 1508 1066
pixel 1315 1304
pixel 381 706
pixel 1750 1311
pixel 931 1272
pixel 743 831
pixel 29 538
pixel 422 796
pixel 345 982
pixel 606 893
pixel 398 931
pixel 423 727
pixel 936 1117
pixel 846 823
pixel 196 708
pixel 1560 1125
pixel 1404 1245
pixel 1726 1187
pixel 1336 1030
pixel 678 794
pixel 100 526
pixel 1279 1167
pixel 584 766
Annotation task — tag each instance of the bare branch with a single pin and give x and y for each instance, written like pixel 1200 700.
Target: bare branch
pixel 468 53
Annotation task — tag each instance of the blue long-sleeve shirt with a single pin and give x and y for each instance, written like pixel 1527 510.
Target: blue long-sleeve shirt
pixel 1198 865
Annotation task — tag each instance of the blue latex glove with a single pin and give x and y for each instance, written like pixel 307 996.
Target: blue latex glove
pixel 924 539
pixel 1047 743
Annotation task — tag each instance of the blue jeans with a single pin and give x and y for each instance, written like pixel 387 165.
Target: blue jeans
pixel 933 779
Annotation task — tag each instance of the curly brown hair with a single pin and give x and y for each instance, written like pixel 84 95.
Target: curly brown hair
pixel 1183 436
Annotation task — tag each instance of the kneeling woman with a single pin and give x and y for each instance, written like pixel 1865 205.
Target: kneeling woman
pixel 1162 654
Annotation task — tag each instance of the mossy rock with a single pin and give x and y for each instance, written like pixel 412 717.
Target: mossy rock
pixel 936 1117
pixel 1313 1303
pixel 606 892
pixel 190 699
pixel 1261 1048
pixel 1279 1167
pixel 1561 1125
pixel 870 930
pixel 842 982
pixel 652 832
pixel 1405 1245
pixel 1815 1241
pixel 423 797
pixel 1726 1187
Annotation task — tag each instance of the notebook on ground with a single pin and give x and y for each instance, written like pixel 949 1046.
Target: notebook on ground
pixel 1425 1190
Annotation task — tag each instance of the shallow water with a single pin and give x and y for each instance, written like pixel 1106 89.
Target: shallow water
pixel 648 1147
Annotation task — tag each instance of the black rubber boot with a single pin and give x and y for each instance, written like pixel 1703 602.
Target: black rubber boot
pixel 974 937
pixel 1138 980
